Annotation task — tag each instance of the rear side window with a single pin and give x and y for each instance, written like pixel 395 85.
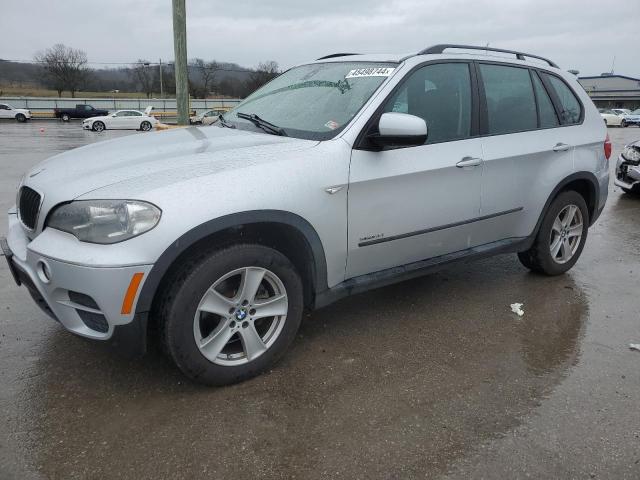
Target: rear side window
pixel 511 106
pixel 546 112
pixel 441 95
pixel 571 110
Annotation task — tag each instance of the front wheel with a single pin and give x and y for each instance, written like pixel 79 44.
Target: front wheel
pixel 21 118
pixel 229 315
pixel 561 237
pixel 145 126
pixel 97 126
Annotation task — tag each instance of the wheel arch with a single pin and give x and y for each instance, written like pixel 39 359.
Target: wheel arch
pixel 287 232
pixel 586 184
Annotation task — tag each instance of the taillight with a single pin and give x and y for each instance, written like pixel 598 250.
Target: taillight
pixel 607 147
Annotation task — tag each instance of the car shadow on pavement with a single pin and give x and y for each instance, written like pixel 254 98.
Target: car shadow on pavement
pixel 397 382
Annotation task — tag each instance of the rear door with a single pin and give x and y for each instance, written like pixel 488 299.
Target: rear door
pixel 413 203
pixel 5 111
pixel 525 151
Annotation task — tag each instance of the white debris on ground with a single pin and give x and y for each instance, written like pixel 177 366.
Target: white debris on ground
pixel 517 309
pixel 634 346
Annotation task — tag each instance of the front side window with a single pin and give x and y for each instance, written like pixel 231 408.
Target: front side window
pixel 511 105
pixel 571 108
pixel 313 101
pixel 441 95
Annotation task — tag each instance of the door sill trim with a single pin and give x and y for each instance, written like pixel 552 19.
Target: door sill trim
pixel 382 278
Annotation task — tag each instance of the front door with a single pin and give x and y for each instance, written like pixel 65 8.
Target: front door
pixel 414 203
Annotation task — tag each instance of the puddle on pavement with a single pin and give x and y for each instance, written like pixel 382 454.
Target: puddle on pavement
pixel 396 382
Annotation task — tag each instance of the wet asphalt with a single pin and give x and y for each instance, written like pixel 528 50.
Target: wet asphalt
pixel 430 378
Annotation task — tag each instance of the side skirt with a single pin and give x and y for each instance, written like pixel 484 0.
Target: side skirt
pixel 393 275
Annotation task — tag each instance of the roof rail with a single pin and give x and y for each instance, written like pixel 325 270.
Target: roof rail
pixel 334 55
pixel 519 55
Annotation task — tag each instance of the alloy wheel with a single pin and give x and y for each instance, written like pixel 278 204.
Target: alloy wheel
pixel 240 316
pixel 566 234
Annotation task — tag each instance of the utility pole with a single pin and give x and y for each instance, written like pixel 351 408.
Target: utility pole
pixel 180 51
pixel 160 64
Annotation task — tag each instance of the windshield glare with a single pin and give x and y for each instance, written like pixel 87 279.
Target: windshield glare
pixel 314 101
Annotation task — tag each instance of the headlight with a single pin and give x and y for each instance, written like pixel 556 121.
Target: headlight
pixel 632 154
pixel 105 221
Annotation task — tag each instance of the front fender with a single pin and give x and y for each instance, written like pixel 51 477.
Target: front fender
pixel 187 240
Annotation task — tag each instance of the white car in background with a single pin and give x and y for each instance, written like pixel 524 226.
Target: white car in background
pixel 20 114
pixel 610 117
pixel 122 120
pixel 208 117
pixel 621 111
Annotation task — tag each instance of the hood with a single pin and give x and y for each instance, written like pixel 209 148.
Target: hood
pixel 143 162
pixel 97 117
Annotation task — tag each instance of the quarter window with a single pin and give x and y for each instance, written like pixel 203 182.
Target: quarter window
pixel 511 105
pixel 571 108
pixel 546 112
pixel 441 95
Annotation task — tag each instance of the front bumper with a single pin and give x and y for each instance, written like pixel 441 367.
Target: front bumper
pixel 627 174
pixel 87 300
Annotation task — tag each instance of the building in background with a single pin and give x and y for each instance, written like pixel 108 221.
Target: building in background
pixel 613 91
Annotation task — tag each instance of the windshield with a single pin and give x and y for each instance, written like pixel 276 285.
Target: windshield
pixel 315 101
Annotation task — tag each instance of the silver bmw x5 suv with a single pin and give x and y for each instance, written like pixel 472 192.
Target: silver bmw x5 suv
pixel 343 174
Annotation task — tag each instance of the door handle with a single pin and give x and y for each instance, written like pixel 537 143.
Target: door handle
pixel 561 147
pixel 469 162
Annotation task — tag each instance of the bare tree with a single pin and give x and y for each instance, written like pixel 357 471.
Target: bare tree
pixel 66 67
pixel 144 76
pixel 207 71
pixel 264 72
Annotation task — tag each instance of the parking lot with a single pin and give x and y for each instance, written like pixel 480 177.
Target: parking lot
pixel 430 378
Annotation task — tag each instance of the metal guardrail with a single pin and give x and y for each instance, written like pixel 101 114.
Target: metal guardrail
pixel 44 104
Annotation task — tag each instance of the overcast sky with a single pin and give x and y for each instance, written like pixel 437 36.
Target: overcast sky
pixel 584 35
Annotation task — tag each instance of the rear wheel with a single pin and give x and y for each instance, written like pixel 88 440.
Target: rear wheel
pixel 229 315
pixel 624 124
pixel 97 126
pixel 145 126
pixel 561 237
pixel 21 118
pixel 65 117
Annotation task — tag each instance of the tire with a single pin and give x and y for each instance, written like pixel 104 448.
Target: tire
pixel 624 124
pixel 184 325
pixel 569 241
pixel 631 191
pixel 145 126
pixel 21 118
pixel 97 126
pixel 606 123
pixel 65 117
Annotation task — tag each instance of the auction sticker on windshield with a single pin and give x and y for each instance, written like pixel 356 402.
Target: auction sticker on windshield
pixel 370 72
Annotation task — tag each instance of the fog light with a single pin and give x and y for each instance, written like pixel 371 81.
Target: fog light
pixel 43 271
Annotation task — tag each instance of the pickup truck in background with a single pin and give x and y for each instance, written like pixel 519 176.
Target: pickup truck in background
pixel 80 111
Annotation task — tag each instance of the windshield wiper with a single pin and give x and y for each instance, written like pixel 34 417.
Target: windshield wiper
pixel 224 123
pixel 263 124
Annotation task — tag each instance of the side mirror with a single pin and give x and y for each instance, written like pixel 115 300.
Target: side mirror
pixel 399 130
